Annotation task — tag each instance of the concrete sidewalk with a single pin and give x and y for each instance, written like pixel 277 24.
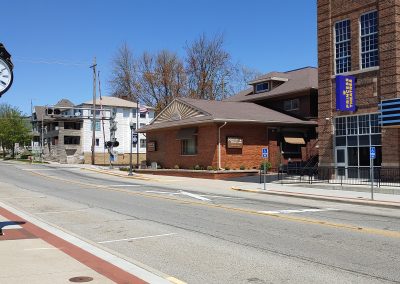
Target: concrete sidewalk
pixel 35 252
pixel 349 194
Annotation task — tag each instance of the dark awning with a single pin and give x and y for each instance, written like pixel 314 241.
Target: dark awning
pixel 186 133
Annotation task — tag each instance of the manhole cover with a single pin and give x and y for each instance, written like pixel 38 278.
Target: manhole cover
pixel 81 279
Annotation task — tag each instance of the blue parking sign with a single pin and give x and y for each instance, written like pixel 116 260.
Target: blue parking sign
pixel 372 153
pixel 265 152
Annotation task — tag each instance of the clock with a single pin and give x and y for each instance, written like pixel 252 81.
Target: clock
pixel 6 73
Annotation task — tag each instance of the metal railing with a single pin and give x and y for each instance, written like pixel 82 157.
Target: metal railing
pixel 383 176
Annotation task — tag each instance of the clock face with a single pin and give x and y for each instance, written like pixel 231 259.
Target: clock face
pixel 6 76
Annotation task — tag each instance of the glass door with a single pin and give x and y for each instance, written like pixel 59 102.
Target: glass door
pixel 341 162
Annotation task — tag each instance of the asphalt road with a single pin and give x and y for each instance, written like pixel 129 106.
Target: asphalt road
pixel 211 235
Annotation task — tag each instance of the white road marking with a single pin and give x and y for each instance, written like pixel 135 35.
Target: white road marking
pixel 123 185
pixel 22 197
pixel 194 195
pixel 162 192
pixel 62 211
pixel 38 169
pixel 41 248
pixel 137 238
pixel 11 227
pixel 289 211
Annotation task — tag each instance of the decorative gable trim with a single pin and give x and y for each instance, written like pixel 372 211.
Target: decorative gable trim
pixel 178 110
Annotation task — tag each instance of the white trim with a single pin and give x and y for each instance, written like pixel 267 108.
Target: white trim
pixel 355 72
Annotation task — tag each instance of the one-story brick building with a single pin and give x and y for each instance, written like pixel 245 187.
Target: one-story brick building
pixel 277 112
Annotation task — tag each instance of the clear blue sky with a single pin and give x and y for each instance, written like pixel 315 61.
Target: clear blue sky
pixel 266 35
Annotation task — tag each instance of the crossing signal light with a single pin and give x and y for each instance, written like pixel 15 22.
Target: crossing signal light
pixel 110 144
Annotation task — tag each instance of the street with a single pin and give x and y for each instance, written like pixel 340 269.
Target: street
pixel 203 233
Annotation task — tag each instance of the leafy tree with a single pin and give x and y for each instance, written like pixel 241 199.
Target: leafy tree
pixel 13 128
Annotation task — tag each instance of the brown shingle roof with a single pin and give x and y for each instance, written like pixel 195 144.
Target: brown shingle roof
pixel 221 111
pixel 298 80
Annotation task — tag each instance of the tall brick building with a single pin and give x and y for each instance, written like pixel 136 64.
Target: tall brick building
pixel 359 39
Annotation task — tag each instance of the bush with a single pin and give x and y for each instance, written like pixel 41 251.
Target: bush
pixel 210 168
pixel 227 168
pixel 197 167
pixel 176 167
pixel 242 167
pixel 267 164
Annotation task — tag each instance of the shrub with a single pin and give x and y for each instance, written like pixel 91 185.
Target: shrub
pixel 227 168
pixel 197 167
pixel 210 168
pixel 267 164
pixel 242 167
pixel 176 167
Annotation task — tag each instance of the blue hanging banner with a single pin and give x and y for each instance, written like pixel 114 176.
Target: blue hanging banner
pixel 345 93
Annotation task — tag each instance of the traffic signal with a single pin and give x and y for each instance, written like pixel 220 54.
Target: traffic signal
pixel 110 144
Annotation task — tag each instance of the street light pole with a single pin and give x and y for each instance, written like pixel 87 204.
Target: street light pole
pixel 130 156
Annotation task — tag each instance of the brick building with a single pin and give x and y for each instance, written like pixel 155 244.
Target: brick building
pixel 278 111
pixel 359 39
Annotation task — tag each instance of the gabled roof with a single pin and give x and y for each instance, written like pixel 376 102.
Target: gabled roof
pixel 64 103
pixel 112 101
pixel 185 112
pixel 297 81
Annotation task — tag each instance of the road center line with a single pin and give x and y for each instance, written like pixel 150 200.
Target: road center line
pixel 288 211
pixel 137 238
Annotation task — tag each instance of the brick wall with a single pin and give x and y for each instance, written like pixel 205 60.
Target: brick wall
pixel 373 85
pixel 255 137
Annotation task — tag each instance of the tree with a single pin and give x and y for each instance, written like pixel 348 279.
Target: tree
pixel 209 68
pixel 124 78
pixel 241 78
pixel 13 128
pixel 162 78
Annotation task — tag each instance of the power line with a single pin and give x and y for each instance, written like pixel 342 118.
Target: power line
pixel 51 61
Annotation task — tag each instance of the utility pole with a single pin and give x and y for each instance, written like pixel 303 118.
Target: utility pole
pixel 137 127
pixel 94 111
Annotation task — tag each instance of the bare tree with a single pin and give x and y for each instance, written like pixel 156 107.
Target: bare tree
pixel 124 78
pixel 208 68
pixel 163 78
pixel 241 78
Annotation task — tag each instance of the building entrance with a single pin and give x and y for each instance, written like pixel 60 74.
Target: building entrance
pixel 354 135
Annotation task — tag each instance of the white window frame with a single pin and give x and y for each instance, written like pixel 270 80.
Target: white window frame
pixel 360 40
pixel 334 47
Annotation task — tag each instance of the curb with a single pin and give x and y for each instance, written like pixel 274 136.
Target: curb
pixel 115 174
pixel 385 204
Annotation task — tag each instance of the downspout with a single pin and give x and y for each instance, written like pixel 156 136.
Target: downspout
pixel 219 145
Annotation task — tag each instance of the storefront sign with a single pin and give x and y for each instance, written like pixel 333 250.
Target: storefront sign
pixel 235 142
pixel 151 146
pixel 345 93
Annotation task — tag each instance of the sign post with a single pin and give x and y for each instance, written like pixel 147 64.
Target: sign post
pixel 264 154
pixel 372 155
